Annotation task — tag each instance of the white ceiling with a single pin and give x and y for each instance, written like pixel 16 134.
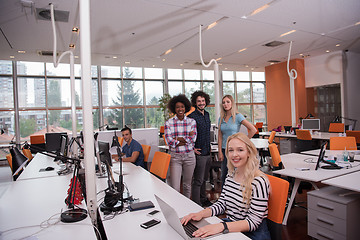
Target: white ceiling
pixel 140 31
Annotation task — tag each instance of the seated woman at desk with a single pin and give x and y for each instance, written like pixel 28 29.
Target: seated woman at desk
pixel 244 197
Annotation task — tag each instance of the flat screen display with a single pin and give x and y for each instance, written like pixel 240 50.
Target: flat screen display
pixel 311 124
pixel 104 152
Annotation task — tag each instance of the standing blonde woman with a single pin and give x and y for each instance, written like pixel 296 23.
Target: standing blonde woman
pixel 244 197
pixel 230 122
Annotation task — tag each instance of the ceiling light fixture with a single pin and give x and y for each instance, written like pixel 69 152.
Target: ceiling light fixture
pixel 357 23
pixel 337 45
pixel 127 62
pixel 258 10
pixel 114 57
pixel 75 29
pixel 287 33
pixel 153 65
pixel 210 26
pixel 21 51
pixel 76 56
pixel 327 51
pixel 241 50
pixel 12 56
pixel 71 45
pixel 168 51
pixel 163 59
pixel 218 59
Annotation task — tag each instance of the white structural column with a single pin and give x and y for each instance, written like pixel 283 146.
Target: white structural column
pixel 216 79
pixel 293 75
pixel 88 130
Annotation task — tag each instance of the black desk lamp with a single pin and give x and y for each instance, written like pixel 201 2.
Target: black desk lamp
pixel 18 162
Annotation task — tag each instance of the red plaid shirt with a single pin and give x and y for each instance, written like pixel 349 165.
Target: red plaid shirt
pixel 175 128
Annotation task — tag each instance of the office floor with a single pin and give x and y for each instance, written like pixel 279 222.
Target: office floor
pixel 296 228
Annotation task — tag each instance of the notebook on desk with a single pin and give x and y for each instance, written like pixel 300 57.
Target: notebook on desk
pixel 174 221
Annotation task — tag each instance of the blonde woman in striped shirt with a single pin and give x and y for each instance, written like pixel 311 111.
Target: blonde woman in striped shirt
pixel 244 198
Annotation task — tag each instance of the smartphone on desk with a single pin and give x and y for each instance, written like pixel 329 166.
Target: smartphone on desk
pixel 152 213
pixel 150 223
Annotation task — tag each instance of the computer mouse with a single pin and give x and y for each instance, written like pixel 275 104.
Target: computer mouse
pixel 49 169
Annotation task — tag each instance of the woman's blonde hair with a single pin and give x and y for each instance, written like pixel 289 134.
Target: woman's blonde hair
pixel 233 108
pixel 251 167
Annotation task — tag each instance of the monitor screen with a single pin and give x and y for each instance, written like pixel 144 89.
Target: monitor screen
pixel 63 145
pixel 321 154
pixel 104 152
pixel 311 124
pixel 53 141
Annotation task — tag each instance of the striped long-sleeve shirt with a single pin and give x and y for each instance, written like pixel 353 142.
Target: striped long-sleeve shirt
pixel 231 202
pixel 180 128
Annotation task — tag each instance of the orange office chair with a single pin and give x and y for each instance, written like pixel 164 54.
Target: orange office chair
pixel 305 142
pixel 276 205
pixel 38 143
pixel 303 134
pixel 9 159
pixel 259 126
pixel 146 150
pixel 275 157
pixel 355 134
pixel 340 143
pixel 121 140
pixel 162 131
pixel 337 127
pixel 164 140
pixel 271 137
pixel 27 154
pixel 160 164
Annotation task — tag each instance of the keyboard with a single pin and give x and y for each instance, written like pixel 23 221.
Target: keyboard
pixel 189 229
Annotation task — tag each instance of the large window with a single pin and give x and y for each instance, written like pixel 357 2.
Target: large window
pixel 130 95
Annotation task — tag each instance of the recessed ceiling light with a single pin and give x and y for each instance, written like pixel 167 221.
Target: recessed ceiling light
pixel 337 45
pixel 218 59
pixel 21 51
pixel 301 54
pixel 287 33
pixel 225 68
pixel 252 68
pixel 168 51
pixel 12 56
pixel 76 57
pixel 75 29
pixel 71 45
pixel 114 57
pixel 153 65
pixel 327 51
pixel 246 66
pixel 272 63
pixel 163 59
pixel 127 62
pixel 241 50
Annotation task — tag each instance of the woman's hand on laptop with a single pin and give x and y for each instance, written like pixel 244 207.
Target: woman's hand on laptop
pixel 196 216
pixel 209 230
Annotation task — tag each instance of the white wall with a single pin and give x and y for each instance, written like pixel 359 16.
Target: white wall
pixel 323 70
pixel 351 68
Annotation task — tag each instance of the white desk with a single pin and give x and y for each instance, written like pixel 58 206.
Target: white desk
pixel 315 135
pixel 349 181
pixel 334 153
pixel 293 161
pixel 27 204
pixel 40 161
pixel 144 185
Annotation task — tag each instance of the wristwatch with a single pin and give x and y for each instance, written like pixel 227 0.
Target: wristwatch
pixel 226 230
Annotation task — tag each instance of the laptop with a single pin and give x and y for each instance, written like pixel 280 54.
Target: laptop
pixel 174 221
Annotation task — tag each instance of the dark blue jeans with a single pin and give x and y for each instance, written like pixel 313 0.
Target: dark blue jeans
pixel 261 233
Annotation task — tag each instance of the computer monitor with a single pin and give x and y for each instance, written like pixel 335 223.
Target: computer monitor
pixel 321 159
pixel 53 141
pixel 104 152
pixel 311 124
pixel 63 145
